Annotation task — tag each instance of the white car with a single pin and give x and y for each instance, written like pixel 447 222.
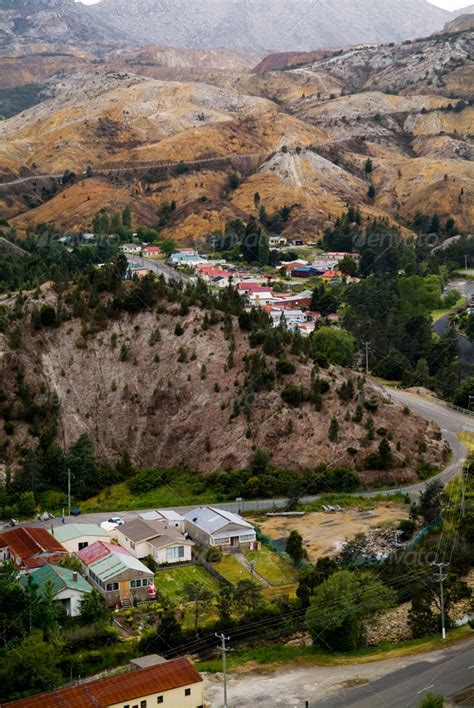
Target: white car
pixel 116 520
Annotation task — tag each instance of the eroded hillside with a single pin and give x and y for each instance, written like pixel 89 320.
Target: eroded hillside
pixel 176 387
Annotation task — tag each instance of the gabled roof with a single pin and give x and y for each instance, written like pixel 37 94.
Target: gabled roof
pixel 211 519
pixel 98 550
pixel 117 563
pixel 123 688
pixel 31 543
pixel 60 579
pixel 138 530
pixel 68 532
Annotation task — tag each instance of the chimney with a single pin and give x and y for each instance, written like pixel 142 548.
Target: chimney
pixel 74 577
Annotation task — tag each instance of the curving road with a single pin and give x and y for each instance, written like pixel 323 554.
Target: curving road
pixel 450 421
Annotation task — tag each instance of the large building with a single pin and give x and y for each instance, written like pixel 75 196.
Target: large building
pixel 30 547
pixel 172 684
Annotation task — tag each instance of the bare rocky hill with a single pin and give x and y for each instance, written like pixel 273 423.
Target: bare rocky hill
pixel 283 25
pixel 172 400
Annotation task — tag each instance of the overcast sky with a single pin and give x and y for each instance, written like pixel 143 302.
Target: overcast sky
pixel 447 4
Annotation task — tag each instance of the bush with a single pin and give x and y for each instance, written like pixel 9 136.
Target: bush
pixel 283 367
pixel 293 395
pixel 214 554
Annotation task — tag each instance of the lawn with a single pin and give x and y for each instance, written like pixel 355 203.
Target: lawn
pixel 172 580
pixel 272 566
pixel 119 498
pixel 231 569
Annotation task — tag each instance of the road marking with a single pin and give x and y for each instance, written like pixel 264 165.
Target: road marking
pixel 427 688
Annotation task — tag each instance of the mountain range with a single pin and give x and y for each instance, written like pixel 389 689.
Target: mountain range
pixel 280 25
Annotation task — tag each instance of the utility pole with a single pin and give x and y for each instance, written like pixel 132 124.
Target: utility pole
pixel 367 358
pixel 252 568
pixel 223 639
pixel 440 577
pixel 69 492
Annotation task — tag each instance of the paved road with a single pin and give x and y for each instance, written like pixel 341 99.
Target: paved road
pixel 452 672
pixel 450 422
pixel 441 326
pixel 159 268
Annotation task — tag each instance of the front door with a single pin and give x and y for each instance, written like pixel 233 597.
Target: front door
pixel 124 588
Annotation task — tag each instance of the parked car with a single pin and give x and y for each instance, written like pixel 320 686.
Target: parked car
pixel 116 520
pixel 75 511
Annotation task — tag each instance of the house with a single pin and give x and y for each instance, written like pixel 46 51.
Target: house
pixel 288 267
pixel 30 547
pixel 209 526
pixel 75 537
pixel 169 515
pixel 304 272
pixel 301 300
pixel 136 272
pixel 68 587
pixel 151 252
pixel 131 249
pixel 156 538
pixel 246 288
pixel 116 573
pixel 257 299
pixel 173 684
pixel 277 241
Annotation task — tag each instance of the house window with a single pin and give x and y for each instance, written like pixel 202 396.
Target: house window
pixel 111 587
pixel 187 691
pixel 139 583
pixel 132 545
pixel 248 537
pixel 174 553
pixel 83 544
pixel 159 699
pixel 142 704
pixel 222 541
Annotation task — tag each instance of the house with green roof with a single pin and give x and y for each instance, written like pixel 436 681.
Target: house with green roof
pixel 68 587
pixel 76 536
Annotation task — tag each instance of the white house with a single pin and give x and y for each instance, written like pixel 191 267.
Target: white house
pixel 209 526
pixel 156 538
pixel 68 587
pixel 131 249
pixel 277 241
pixel 75 537
pixel 169 515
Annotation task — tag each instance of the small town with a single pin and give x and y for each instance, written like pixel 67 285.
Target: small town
pixel 236 354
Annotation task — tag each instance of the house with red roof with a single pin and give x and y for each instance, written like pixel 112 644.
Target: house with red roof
pixel 116 573
pixel 151 252
pixel 30 547
pixel 174 683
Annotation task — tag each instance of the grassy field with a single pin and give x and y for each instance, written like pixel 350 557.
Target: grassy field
pixel 275 655
pixel 348 500
pixel 119 498
pixel 271 566
pixel 231 569
pixel 172 580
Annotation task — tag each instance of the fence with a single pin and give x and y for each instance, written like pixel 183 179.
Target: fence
pixel 274 546
pixel 215 574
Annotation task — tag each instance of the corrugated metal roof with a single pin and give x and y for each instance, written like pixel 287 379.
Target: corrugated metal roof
pixel 59 577
pixel 211 519
pixel 134 685
pixel 70 531
pixel 98 550
pixel 116 563
pixel 26 542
